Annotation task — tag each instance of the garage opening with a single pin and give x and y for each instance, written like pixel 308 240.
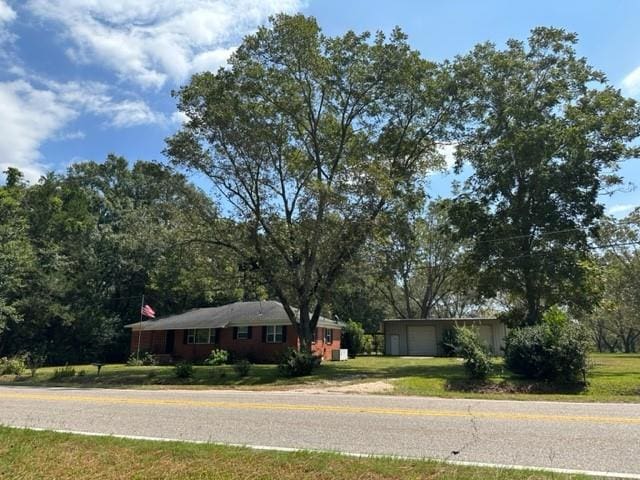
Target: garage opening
pixel 421 340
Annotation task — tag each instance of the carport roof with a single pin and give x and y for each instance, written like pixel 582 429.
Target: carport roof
pixel 237 314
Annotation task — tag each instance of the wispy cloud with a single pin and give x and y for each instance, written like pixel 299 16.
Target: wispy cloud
pixel 35 111
pixel 152 41
pixel 620 208
pixel 29 116
pixel 631 83
pixel 7 15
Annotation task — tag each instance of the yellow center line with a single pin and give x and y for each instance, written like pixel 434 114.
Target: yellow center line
pixel 324 408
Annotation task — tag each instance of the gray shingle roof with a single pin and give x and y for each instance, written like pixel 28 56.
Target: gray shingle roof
pixel 237 314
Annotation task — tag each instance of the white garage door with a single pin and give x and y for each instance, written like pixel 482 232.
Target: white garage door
pixel 486 335
pixel 421 340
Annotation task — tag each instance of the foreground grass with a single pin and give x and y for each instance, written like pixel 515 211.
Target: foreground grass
pixel 614 378
pixel 26 454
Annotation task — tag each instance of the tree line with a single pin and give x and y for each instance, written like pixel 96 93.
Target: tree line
pixel 319 150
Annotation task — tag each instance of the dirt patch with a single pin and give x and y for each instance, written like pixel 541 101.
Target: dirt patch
pixel 334 387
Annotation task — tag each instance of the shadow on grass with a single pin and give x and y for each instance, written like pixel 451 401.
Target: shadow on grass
pixel 513 386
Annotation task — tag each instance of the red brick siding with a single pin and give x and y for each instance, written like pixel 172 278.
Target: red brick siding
pixel 253 348
pixel 319 347
pixel 150 341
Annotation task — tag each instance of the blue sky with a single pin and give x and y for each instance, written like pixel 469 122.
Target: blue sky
pixel 83 78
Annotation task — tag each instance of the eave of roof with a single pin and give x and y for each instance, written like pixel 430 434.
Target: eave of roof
pixel 237 314
pixel 439 319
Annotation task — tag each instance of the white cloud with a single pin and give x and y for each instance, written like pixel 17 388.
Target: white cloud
pixel 93 97
pixel 33 112
pixel 448 151
pixel 631 83
pixel 28 117
pixel 153 41
pixel 7 14
pixel 179 118
pixel 620 208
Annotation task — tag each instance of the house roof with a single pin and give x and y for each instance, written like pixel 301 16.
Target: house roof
pixel 439 319
pixel 238 314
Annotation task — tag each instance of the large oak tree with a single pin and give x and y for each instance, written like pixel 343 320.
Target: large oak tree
pixel 544 135
pixel 308 139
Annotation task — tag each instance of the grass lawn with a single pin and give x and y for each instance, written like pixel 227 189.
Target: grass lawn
pixel 26 454
pixel 614 378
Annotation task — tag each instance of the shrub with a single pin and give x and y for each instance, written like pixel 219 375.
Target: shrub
pixel 477 361
pixel 295 363
pixel 353 338
pixel 217 357
pixel 449 342
pixel 34 360
pixel 12 365
pixel 146 359
pixel 64 372
pixel 555 350
pixel 242 367
pixel 184 370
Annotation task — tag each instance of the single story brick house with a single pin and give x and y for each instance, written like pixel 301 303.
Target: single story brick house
pixel 259 331
pixel 422 336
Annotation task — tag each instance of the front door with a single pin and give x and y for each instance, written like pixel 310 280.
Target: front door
pixel 394 345
pixel 170 340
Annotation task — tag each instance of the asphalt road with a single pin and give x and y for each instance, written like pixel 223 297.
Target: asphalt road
pixel 594 437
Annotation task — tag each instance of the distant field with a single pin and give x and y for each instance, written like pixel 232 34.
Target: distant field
pixel 614 378
pixel 29 455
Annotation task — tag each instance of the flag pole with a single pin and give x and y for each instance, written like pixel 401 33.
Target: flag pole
pixel 140 328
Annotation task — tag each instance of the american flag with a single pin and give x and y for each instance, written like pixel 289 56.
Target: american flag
pixel 148 312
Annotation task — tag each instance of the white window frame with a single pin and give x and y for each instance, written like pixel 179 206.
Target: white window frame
pixel 192 336
pixel 242 333
pixel 274 334
pixel 328 335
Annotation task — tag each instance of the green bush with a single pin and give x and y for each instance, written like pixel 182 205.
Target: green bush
pixel 217 357
pixel 146 359
pixel 34 360
pixel 449 342
pixel 477 361
pixel 295 363
pixel 12 365
pixel 64 372
pixel 353 338
pixel 242 367
pixel 373 344
pixel 555 350
pixel 183 370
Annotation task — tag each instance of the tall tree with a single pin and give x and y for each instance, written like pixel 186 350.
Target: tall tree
pixel 615 323
pixel 308 138
pixel 544 133
pixel 419 260
pixel 77 251
pixel 17 258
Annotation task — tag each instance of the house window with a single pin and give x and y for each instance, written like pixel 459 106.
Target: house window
pixel 328 335
pixel 314 336
pixel 198 336
pixel 274 334
pixel 243 333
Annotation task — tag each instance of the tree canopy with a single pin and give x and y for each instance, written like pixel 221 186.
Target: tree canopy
pixel 544 133
pixel 309 138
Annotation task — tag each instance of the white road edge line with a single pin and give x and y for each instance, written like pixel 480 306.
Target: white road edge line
pixel 592 473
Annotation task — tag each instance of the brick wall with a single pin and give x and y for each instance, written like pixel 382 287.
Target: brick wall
pixel 252 348
pixel 150 341
pixel 321 348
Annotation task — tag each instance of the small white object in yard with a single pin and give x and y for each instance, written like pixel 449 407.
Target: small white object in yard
pixel 341 354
